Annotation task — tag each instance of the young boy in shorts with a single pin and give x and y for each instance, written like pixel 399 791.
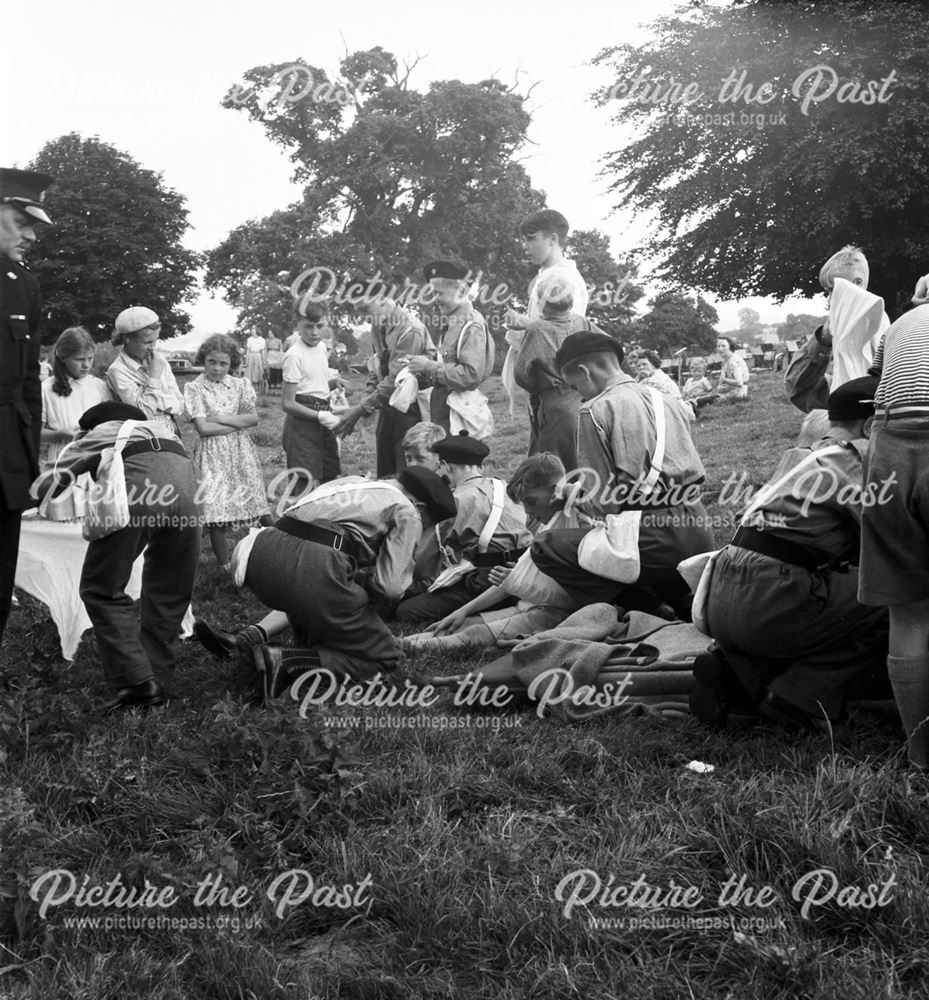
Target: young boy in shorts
pixel 309 444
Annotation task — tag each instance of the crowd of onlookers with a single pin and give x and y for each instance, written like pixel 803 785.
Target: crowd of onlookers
pixel 820 598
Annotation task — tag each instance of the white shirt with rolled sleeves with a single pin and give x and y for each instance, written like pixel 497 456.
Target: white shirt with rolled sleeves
pixel 158 398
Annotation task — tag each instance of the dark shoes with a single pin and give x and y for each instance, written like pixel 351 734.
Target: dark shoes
pixel 717 693
pixel 709 696
pixel 282 665
pixel 222 644
pixel 148 694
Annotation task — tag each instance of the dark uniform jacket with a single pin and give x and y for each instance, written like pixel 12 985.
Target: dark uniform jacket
pixel 20 389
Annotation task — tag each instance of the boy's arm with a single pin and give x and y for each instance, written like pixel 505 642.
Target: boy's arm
pixel 453 622
pixel 411 342
pixel 805 378
pixel 474 362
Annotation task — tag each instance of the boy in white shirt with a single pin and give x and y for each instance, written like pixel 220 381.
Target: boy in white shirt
pixel 310 446
pixel 544 235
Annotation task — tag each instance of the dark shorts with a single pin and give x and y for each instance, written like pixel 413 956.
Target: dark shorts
pixel 311 450
pixel 553 425
pixel 895 515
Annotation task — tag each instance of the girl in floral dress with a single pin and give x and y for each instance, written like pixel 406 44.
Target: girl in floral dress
pixel 222 408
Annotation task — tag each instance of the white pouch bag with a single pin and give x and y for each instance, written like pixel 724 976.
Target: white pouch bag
pixel 469 411
pixel 107 499
pixel 698 572
pixel 611 549
pixel 407 389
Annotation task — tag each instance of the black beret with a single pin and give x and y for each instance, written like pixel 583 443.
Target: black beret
pixel 853 400
pixel 580 344
pixel 103 412
pixel 430 489
pixel 461 449
pixel 445 269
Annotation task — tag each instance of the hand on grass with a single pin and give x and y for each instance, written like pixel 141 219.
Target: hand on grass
pixel 449 624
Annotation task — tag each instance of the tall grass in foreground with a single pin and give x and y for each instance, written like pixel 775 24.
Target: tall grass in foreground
pixel 466 831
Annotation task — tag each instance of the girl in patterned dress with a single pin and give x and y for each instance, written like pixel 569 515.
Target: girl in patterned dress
pixel 222 408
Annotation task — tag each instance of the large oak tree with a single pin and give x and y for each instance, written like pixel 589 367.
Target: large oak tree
pixel 393 177
pixel 115 242
pixel 763 136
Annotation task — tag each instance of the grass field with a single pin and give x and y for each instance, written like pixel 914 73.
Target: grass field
pixel 452 849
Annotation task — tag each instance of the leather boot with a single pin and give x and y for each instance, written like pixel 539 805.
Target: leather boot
pixel 147 694
pixel 282 665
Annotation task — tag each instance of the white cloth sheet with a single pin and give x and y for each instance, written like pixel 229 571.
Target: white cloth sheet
pixel 858 321
pixel 51 555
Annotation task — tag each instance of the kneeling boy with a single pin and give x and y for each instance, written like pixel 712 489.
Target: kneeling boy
pixel 782 603
pixel 490 530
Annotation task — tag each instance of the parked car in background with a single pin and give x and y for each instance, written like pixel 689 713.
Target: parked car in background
pixel 183 369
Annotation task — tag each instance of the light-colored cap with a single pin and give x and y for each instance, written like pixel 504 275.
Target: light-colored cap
pixel 135 318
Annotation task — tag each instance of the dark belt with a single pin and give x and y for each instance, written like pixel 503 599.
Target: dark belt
pixel 310 532
pixel 312 402
pixel 154 445
pixel 483 560
pixel 766 544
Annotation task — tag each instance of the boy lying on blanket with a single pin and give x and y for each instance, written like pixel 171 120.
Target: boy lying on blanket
pixel 543 604
pixel 599 660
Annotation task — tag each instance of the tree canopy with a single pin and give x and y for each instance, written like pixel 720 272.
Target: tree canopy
pixel 612 303
pixel 676 321
pixel 393 177
pixel 116 240
pixel 768 135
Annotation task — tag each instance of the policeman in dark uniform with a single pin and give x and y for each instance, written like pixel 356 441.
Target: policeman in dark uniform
pixel 21 196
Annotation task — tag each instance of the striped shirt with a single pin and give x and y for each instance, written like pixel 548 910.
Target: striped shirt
pixel 902 361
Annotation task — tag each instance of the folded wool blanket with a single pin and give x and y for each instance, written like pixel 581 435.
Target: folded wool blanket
pixel 595 663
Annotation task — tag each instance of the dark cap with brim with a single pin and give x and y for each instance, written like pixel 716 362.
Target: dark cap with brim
pixel 103 412
pixel 579 345
pixel 431 490
pixel 853 400
pixel 26 190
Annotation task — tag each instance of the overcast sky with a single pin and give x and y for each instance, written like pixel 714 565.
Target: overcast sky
pixel 149 79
